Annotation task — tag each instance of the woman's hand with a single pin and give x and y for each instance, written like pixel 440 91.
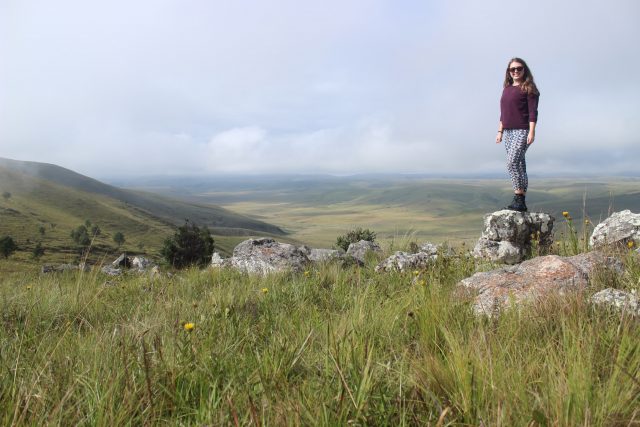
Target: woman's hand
pixel 531 137
pixel 499 138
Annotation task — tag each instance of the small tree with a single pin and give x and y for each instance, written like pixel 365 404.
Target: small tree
pixel 95 231
pixel 119 239
pixel 81 236
pixel 42 230
pixel 6 195
pixel 190 245
pixel 354 236
pixel 7 246
pixel 37 251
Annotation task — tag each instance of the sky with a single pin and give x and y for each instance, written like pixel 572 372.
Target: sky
pixel 175 87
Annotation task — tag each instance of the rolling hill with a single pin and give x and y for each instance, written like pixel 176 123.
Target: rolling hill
pixel 43 203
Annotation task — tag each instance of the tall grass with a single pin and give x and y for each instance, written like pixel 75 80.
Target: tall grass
pixel 331 346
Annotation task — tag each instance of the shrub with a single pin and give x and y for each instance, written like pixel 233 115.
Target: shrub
pixel 38 251
pixel 119 239
pixel 81 236
pixel 354 236
pixel 190 245
pixel 7 246
pixel 6 195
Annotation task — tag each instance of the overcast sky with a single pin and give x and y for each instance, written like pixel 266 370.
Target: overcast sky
pixel 109 88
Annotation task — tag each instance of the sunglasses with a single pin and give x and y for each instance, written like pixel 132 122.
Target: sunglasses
pixel 514 69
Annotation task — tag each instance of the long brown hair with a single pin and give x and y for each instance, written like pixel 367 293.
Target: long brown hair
pixel 527 85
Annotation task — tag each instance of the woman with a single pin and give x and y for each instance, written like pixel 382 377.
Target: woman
pixel 518 117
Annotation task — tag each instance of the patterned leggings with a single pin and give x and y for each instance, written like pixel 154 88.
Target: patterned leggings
pixel 515 141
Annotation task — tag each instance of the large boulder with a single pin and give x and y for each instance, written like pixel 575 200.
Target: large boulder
pixel 534 278
pixel 359 250
pixel 265 255
pixel 508 235
pixel 621 227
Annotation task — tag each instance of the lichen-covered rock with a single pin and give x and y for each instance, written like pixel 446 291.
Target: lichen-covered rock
pixel 508 235
pixel 141 263
pixel 402 261
pixel 359 250
pixel 218 262
pixel 618 300
pixel 621 227
pixel 265 255
pixel 534 278
pixel 325 255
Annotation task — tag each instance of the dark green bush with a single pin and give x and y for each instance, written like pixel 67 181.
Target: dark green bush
pixel 354 236
pixel 7 246
pixel 190 245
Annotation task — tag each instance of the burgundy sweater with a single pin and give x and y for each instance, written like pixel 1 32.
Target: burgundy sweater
pixel 517 108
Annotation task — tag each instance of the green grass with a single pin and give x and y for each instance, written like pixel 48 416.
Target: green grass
pixel 332 346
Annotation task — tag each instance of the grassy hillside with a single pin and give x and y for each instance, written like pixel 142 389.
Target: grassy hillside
pixel 331 346
pixel 46 202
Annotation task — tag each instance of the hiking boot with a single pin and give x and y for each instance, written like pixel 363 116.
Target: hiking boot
pixel 518 203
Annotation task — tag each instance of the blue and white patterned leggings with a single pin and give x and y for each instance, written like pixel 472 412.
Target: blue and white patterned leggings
pixel 515 141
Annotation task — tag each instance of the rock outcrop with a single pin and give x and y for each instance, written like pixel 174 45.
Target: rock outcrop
pixel 534 278
pixel 403 261
pixel 359 250
pixel 265 255
pixel 508 235
pixel 621 227
pixel 617 300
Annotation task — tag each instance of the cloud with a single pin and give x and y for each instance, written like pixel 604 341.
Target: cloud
pixel 364 86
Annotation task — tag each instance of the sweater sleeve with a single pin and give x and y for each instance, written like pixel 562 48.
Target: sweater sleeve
pixel 532 101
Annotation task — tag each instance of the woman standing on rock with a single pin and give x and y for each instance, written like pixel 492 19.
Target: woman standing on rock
pixel 518 117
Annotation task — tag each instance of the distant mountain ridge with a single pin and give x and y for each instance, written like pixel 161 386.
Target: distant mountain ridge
pixel 219 220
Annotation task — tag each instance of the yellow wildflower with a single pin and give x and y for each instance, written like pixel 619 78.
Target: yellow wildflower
pixel 423 283
pixel 306 273
pixel 416 273
pixel 630 244
pixel 565 214
pixel 265 290
pixel 586 222
pixel 189 326
pixel 28 287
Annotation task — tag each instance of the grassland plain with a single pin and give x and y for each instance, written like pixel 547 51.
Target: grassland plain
pixel 330 346
pixel 315 210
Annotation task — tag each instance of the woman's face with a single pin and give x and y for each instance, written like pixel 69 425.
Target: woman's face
pixel 516 70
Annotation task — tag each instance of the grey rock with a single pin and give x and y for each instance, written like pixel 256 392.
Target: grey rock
pixel 217 261
pixel 122 261
pixel 325 255
pixel 621 227
pixel 617 300
pixel 265 255
pixel 141 263
pixel 402 261
pixel 507 236
pixel 359 250
pixel 111 271
pixel 497 289
pixel 49 268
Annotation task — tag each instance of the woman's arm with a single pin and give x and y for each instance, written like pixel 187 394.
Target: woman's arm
pixel 499 136
pixel 532 133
